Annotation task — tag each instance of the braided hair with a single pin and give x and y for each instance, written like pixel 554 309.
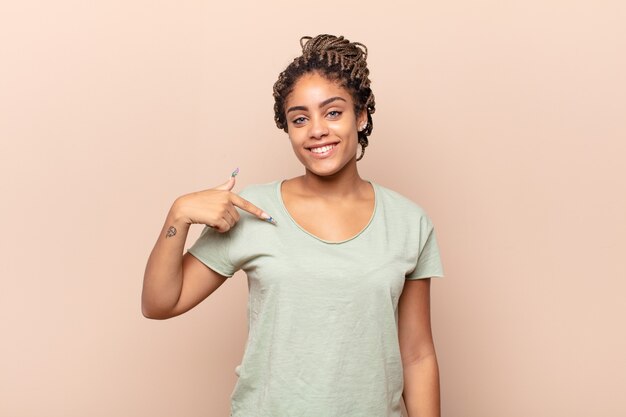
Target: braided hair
pixel 338 60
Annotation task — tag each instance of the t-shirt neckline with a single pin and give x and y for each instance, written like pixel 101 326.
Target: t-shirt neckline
pixel 278 186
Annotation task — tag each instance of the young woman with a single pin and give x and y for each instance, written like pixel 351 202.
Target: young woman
pixel 339 272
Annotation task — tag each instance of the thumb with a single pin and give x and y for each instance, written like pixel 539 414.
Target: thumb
pixel 228 185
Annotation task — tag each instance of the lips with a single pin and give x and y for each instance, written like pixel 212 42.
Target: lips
pixel 323 150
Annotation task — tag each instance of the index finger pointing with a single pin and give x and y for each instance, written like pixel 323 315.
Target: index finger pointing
pixel 244 204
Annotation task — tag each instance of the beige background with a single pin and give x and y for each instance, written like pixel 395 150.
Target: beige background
pixel 503 119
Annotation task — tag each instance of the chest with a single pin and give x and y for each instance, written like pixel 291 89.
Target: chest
pixel 331 221
pixel 297 268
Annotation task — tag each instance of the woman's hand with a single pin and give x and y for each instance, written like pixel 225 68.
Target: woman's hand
pixel 173 282
pixel 215 207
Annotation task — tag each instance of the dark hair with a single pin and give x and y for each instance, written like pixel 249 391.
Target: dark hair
pixel 338 60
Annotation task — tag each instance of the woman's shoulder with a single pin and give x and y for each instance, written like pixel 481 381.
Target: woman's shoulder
pixel 260 189
pixel 260 193
pixel 394 200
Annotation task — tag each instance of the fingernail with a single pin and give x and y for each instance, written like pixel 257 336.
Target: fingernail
pixel 235 172
pixel 268 218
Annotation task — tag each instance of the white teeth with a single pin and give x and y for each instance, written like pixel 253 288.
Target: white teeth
pixel 322 149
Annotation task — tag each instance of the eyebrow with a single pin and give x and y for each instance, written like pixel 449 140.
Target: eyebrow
pixel 322 104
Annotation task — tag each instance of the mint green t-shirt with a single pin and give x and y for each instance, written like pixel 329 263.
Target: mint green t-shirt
pixel 322 316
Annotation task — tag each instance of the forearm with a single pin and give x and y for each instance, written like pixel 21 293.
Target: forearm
pixel 163 279
pixel 421 387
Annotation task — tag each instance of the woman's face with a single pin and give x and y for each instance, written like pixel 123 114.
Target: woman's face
pixel 321 124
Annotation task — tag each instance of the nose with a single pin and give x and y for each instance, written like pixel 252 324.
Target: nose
pixel 318 128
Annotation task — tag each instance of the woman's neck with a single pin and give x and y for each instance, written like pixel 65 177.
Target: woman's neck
pixel 341 185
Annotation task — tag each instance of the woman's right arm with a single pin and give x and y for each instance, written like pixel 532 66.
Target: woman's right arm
pixel 175 283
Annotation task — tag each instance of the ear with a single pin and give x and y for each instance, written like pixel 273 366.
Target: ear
pixel 361 120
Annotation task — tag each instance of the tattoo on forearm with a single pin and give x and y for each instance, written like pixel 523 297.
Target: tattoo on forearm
pixel 171 231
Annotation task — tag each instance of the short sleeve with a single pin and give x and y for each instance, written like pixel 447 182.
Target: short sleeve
pixel 428 260
pixel 212 248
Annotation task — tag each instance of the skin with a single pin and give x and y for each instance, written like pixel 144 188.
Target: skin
pixel 331 188
pixel 319 111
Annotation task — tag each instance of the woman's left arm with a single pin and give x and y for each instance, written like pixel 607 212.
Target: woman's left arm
pixel 421 371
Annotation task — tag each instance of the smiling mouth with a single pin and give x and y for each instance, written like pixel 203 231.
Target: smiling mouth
pixel 322 149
